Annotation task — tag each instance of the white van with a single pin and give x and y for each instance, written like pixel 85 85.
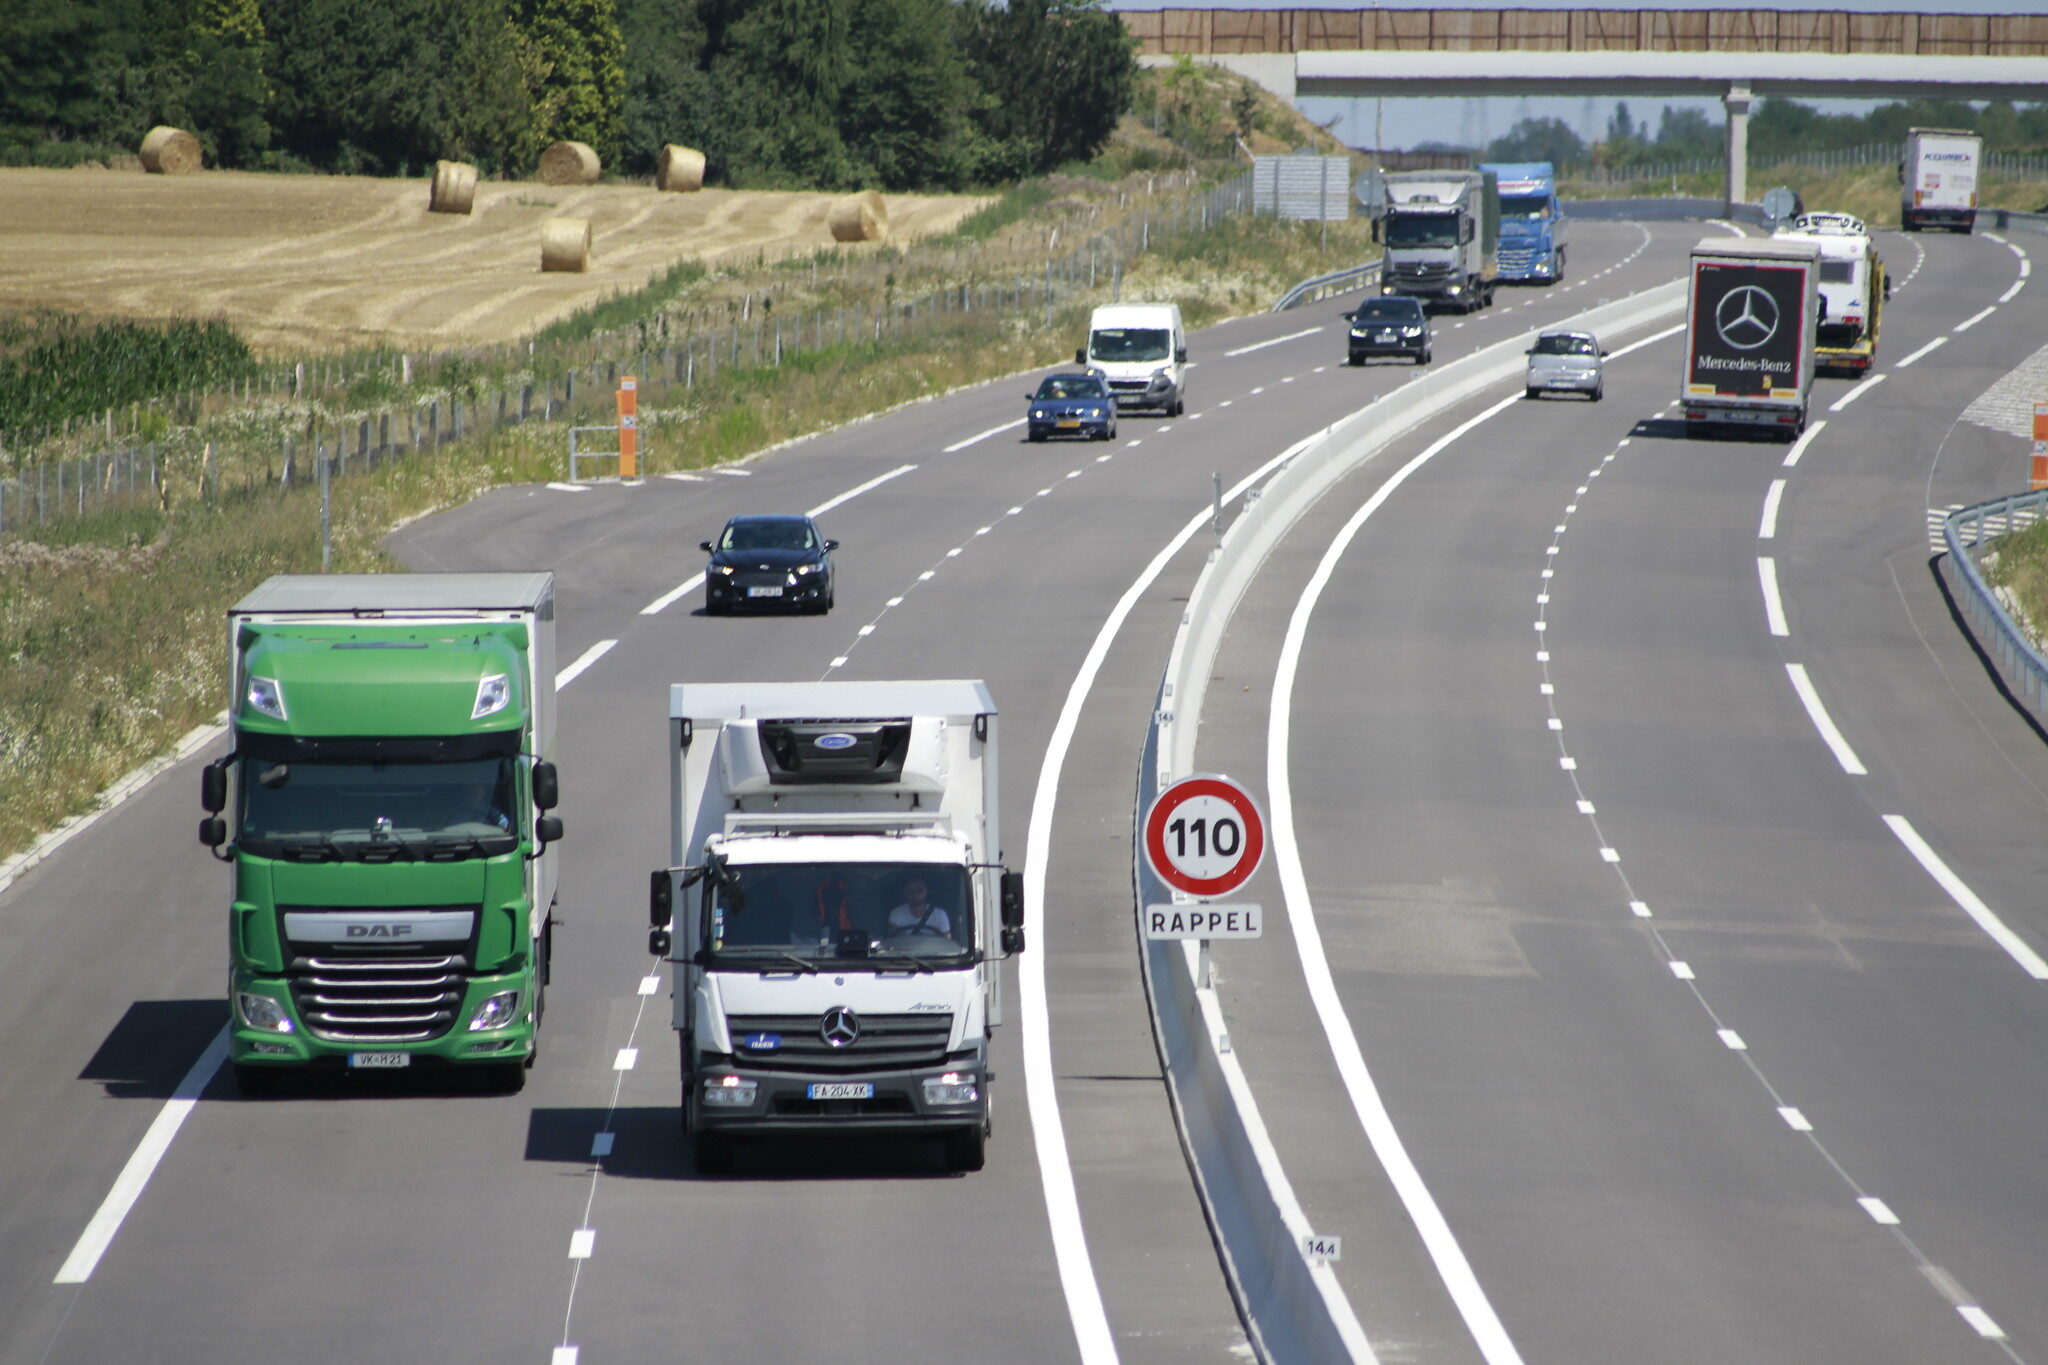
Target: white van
pixel 1142 350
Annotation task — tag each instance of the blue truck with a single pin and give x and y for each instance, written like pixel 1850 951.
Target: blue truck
pixel 1531 222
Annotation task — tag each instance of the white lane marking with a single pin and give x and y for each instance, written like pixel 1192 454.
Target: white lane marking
pixel 1570 765
pixel 1768 528
pixel 1805 439
pixel 685 478
pixel 626 1058
pixel 1262 345
pixel 1959 892
pixel 564 1355
pixel 1224 404
pixel 1794 1120
pixel 2009 295
pixel 581 1243
pixel 735 473
pixel 1258 389
pixel 583 661
pixel 569 487
pixel 1933 345
pixel 850 494
pixel 128 1186
pixel 1973 321
pixel 650 984
pixel 1852 395
pixel 1640 909
pixel 1586 808
pixel 1981 1321
pixel 1649 340
pixel 1682 970
pixel 1774 610
pixel 1732 1040
pixel 1610 855
pixel 983 436
pixel 1994 237
pixel 1809 697
pixel 601 1144
pixel 1442 1244
pixel 1878 1212
pixel 2026 266
pixel 667 599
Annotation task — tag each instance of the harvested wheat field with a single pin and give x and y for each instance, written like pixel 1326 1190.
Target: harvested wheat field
pixel 328 262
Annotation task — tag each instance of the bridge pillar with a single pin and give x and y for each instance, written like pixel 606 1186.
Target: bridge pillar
pixel 1736 180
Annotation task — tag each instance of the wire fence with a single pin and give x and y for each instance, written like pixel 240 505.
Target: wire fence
pixel 671 354
pixel 2007 164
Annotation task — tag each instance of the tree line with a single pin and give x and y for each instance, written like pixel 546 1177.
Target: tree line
pixel 896 94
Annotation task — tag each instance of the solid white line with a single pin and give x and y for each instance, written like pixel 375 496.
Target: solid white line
pixel 1933 345
pixel 1262 345
pixel 1852 395
pixel 958 446
pixel 1809 697
pixel 1774 610
pixel 142 1164
pixel 589 657
pixel 2015 946
pixel 1805 439
pixel 1768 528
pixel 1456 1272
pixel 1972 322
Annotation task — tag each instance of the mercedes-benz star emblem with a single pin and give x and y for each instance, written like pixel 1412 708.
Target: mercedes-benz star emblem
pixel 1746 318
pixel 840 1027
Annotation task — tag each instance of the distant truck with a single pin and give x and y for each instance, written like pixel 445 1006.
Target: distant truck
pixel 1751 310
pixel 836 911
pixel 1441 235
pixel 1938 179
pixel 1853 288
pixel 1532 222
pixel 382 807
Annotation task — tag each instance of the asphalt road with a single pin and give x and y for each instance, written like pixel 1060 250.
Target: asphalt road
pixel 387 1220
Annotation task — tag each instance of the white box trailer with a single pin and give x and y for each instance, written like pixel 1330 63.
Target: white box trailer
pixel 835 910
pixel 1938 179
pixel 1752 311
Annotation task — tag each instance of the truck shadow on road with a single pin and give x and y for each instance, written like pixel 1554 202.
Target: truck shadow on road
pixel 152 1047
pixel 647 1144
pixel 1674 429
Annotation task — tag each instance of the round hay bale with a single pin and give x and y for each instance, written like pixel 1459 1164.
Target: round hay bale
pixel 454 188
pixel 859 217
pixel 569 163
pixel 565 244
pixel 170 151
pixel 679 168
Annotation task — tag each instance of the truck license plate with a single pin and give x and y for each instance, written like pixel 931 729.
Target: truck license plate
pixel 840 1090
pixel 374 1060
pixel 764 592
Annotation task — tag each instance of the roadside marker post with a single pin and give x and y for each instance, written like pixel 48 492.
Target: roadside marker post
pixel 2039 474
pixel 629 428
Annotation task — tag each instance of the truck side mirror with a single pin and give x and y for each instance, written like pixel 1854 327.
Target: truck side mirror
pixel 547 830
pixel 213 831
pixel 661 898
pixel 547 788
pixel 659 943
pixel 1013 941
pixel 1081 356
pixel 213 787
pixel 1013 901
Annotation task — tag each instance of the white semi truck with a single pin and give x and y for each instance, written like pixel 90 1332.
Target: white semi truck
pixel 835 910
pixel 1441 234
pixel 1938 179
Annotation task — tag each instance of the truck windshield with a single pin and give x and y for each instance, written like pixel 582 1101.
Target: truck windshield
pixel 1525 206
pixel 846 913
pixel 1422 229
pixel 1129 343
pixel 378 810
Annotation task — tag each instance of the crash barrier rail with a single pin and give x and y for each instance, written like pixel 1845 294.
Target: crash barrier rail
pixel 2013 220
pixel 1345 281
pixel 1291 1303
pixel 1969 533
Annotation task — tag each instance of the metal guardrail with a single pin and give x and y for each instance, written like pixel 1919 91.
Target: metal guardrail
pixel 1323 286
pixel 1968 533
pixel 2014 220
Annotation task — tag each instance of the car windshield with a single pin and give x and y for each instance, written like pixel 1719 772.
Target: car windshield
pixel 768 535
pixel 1525 206
pixel 1071 386
pixel 327 805
pixel 1422 229
pixel 1566 345
pixel 1388 310
pixel 841 913
pixel 1129 343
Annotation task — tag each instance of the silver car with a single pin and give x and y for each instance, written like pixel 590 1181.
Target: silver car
pixel 1566 362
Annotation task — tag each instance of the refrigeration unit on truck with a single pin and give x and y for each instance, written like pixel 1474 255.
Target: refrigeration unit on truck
pixel 1853 289
pixel 1440 232
pixel 1532 221
pixel 383 808
pixel 835 912
pixel 1751 309
pixel 1938 179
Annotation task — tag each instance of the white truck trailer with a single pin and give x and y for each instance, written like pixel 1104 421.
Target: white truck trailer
pixel 1938 179
pixel 1752 308
pixel 836 911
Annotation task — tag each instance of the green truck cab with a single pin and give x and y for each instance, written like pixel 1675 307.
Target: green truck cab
pixel 384 810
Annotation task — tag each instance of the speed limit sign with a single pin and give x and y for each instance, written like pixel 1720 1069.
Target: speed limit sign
pixel 1204 836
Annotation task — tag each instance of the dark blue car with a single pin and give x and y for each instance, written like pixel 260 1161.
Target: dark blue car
pixel 1071 405
pixel 769 561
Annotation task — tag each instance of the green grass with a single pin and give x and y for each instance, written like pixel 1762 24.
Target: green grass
pixel 2020 566
pixel 55 368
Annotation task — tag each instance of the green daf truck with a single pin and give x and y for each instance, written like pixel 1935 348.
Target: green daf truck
pixel 384 811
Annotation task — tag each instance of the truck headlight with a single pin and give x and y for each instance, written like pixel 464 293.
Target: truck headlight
pixel 496 1012
pixel 493 694
pixel 267 697
pixel 954 1087
pixel 730 1091
pixel 262 1012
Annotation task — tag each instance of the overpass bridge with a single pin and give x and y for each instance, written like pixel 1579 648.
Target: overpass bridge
pixel 1735 55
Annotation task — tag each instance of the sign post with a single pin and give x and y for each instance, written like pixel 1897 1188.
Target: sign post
pixel 629 428
pixel 1204 837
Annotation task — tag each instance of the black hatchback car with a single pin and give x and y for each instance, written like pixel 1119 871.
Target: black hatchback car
pixel 1392 325
pixel 769 561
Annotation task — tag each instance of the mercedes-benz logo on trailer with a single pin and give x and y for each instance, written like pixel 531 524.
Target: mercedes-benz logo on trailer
pixel 840 1028
pixel 1746 317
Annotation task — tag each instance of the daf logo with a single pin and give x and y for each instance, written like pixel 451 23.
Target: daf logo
pixel 840 1027
pixel 835 741
pixel 1746 318
pixel 379 930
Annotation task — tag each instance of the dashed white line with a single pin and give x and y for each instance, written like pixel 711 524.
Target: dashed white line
pixel 1805 439
pixel 1682 970
pixel 1262 345
pixel 650 984
pixel 1768 528
pixel 1809 697
pixel 1774 610
pixel 581 1243
pixel 601 1144
pixel 828 504
pixel 569 487
pixel 1852 395
pixel 1731 1040
pixel 1972 321
pixel 1959 892
pixel 1878 1212
pixel 627 1058
pixel 1981 1321
pixel 583 661
pixel 1931 346
pixel 1794 1120
pixel 2009 295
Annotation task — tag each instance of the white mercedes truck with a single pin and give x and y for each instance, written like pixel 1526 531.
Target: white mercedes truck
pixel 1938 179
pixel 835 911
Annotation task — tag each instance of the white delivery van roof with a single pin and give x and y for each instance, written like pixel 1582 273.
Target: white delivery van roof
pixel 1135 315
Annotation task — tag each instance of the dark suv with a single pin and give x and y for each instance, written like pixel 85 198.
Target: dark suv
pixel 1392 325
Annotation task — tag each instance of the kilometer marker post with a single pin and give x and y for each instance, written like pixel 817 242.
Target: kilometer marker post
pixel 629 428
pixel 1204 836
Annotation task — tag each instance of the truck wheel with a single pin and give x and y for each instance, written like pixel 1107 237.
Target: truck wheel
pixel 505 1078
pixel 713 1153
pixel 967 1149
pixel 257 1081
